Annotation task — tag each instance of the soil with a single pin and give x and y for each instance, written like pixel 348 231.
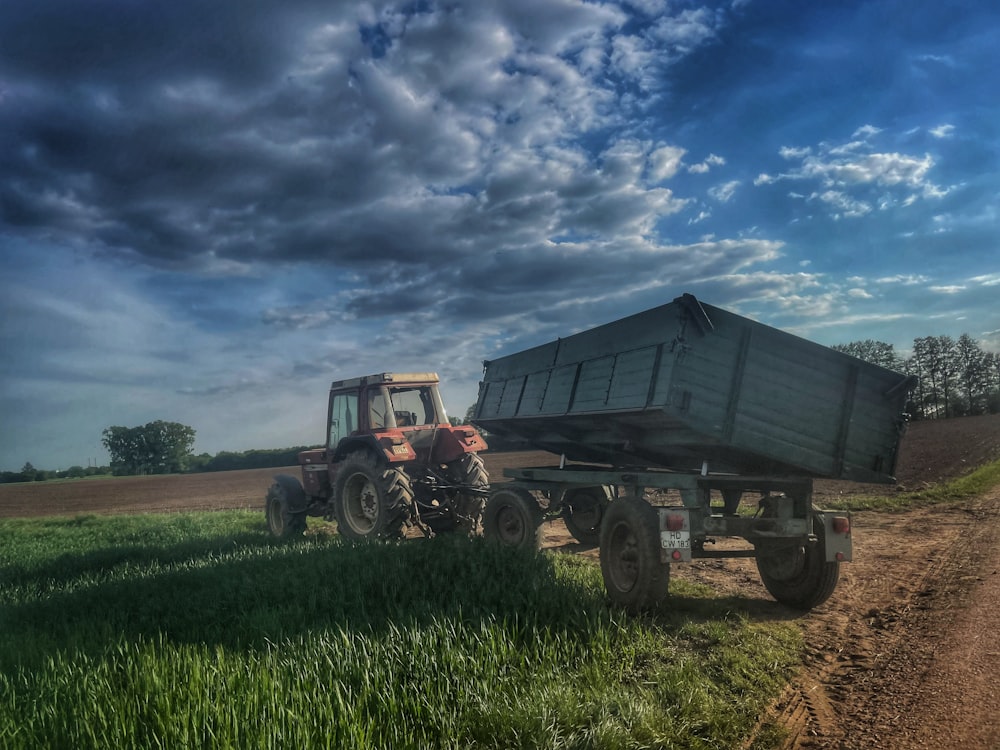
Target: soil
pixel 902 657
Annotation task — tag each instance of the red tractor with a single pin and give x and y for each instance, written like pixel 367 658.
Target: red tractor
pixel 391 460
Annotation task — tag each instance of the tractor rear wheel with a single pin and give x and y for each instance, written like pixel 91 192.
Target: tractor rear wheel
pixel 282 521
pixel 372 499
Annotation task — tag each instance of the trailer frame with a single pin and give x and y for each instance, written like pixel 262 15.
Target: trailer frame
pixel 798 548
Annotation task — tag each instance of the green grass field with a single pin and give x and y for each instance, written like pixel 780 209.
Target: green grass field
pixel 198 630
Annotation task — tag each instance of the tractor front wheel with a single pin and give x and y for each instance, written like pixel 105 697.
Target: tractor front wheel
pixel 468 471
pixel 282 521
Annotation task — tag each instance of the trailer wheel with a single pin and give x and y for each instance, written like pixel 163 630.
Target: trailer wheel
pixel 372 499
pixel 798 575
pixel 583 510
pixel 282 521
pixel 634 575
pixel 512 517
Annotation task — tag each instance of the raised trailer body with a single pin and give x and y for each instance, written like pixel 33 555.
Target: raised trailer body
pixel 697 407
pixel 686 383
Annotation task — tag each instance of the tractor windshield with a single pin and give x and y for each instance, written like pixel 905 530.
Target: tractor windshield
pixel 409 406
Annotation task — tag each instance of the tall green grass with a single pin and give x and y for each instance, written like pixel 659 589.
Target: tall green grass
pixel 199 631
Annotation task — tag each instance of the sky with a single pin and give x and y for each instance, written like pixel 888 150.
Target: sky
pixel 210 210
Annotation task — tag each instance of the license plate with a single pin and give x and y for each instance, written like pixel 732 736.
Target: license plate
pixel 675 539
pixel 400 450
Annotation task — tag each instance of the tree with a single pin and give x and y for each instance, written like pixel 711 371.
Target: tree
pixel 876 352
pixel 155 448
pixel 973 373
pixel 28 472
pixel 934 361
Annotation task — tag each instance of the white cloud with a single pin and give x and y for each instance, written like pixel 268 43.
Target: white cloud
pixel 724 192
pixel 712 160
pixel 949 289
pixel 904 279
pixel 943 131
pixel 851 172
pixel 845 205
pixel 790 152
pixel 664 162
pixel 992 279
pixel 866 131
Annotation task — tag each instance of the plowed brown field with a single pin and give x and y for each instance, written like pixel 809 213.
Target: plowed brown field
pixel 904 656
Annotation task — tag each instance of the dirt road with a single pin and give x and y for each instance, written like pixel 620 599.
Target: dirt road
pixel 906 655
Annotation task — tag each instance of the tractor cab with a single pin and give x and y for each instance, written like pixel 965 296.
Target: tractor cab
pixel 401 413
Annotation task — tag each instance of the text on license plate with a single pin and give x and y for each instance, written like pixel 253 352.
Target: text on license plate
pixel 675 539
pixel 400 450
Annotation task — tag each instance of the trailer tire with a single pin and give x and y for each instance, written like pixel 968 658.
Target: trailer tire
pixel 634 575
pixel 799 576
pixel 513 518
pixel 282 519
pixel 583 510
pixel 469 470
pixel 372 500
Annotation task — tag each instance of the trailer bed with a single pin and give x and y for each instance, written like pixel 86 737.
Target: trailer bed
pixel 690 386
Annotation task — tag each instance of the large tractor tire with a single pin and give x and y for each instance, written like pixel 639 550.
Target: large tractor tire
pixel 284 509
pixel 469 470
pixel 512 517
pixel 373 500
pixel 583 510
pixel 798 575
pixel 634 575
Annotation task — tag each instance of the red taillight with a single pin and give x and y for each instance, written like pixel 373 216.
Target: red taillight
pixel 675 522
pixel 841 525
pixel 841 557
pixel 676 555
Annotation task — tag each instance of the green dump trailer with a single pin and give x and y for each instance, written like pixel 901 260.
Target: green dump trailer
pixel 666 421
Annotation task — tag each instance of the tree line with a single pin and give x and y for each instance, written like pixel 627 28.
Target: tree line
pixel 159 447
pixel 29 473
pixel 955 377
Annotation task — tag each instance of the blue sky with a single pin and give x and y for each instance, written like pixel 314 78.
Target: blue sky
pixel 208 211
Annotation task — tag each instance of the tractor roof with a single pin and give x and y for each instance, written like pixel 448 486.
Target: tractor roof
pixel 386 378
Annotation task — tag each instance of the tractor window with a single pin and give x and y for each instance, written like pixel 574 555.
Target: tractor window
pixel 343 417
pixel 412 406
pixel 377 410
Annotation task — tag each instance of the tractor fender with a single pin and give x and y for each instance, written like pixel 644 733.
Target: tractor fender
pixel 453 442
pixel 294 494
pixel 391 445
